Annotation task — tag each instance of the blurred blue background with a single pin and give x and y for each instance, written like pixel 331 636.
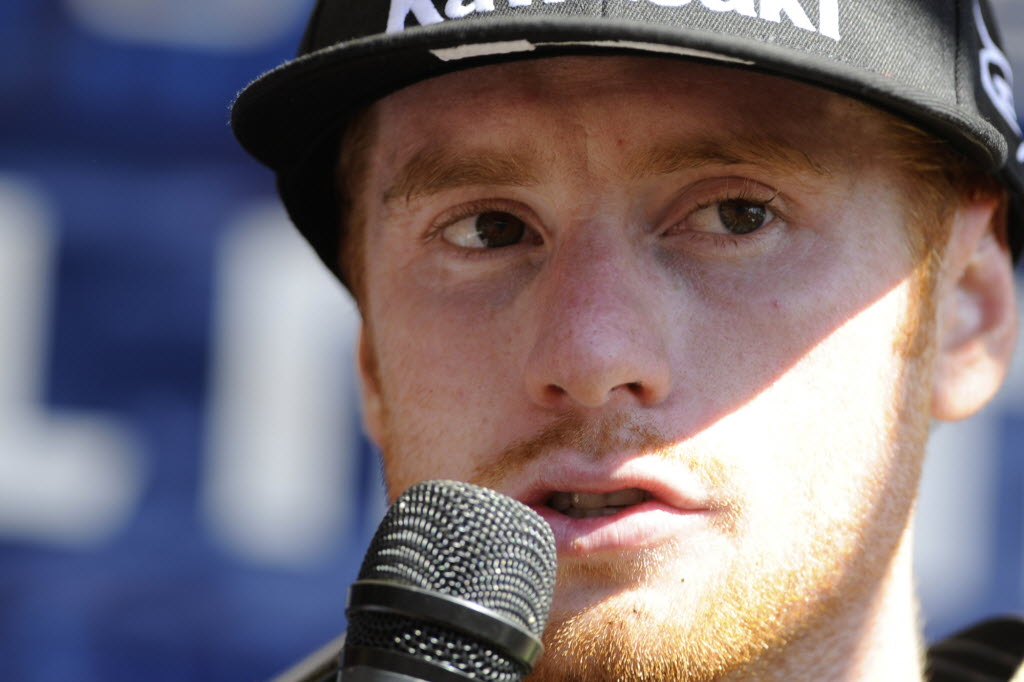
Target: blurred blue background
pixel 184 490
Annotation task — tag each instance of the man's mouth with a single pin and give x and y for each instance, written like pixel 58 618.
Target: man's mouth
pixel 590 505
pixel 600 516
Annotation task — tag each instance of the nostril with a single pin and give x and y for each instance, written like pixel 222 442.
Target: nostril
pixel 554 392
pixel 637 389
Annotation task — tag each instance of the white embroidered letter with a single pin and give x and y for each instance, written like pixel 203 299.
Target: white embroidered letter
pixel 828 18
pixel 454 9
pixel 999 85
pixel 772 11
pixel 745 7
pixel 423 10
pixel 671 3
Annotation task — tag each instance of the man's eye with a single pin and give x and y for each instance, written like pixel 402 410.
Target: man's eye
pixel 736 216
pixel 489 230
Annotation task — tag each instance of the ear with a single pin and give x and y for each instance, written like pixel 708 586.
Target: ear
pixel 977 315
pixel 369 383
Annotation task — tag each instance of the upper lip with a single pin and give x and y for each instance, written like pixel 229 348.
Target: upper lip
pixel 666 481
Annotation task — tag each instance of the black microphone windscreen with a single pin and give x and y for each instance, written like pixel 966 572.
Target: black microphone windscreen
pixel 467 542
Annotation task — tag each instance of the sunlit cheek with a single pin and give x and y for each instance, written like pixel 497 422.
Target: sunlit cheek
pixel 818 442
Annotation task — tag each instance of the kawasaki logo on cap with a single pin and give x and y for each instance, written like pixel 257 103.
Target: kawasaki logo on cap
pixel 425 12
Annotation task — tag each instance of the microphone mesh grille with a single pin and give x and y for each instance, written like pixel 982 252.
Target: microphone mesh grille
pixel 468 542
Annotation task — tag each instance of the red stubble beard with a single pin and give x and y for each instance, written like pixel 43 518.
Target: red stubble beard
pixel 634 618
pixel 656 632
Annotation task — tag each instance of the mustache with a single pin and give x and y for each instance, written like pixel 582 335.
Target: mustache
pixel 597 437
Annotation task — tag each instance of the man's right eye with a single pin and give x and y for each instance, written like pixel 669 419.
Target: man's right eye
pixel 488 230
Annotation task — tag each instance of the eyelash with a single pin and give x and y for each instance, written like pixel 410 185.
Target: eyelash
pixel 749 197
pixel 747 191
pixel 452 216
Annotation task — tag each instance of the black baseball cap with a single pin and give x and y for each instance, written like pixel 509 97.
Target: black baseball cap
pixel 936 63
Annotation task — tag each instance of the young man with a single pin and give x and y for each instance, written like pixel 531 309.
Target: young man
pixel 689 278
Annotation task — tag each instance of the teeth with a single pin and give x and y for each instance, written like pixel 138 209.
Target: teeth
pixel 587 505
pixel 560 501
pixel 588 500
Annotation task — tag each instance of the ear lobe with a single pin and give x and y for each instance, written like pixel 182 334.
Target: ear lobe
pixel 369 383
pixel 977 316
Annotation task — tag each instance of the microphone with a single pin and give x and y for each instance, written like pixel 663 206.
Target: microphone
pixel 456 585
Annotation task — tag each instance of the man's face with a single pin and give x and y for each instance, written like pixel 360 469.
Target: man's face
pixel 668 306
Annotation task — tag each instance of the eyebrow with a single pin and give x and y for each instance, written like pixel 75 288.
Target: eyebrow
pixel 664 159
pixel 434 169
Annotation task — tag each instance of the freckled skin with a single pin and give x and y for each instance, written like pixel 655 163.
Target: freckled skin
pixel 769 359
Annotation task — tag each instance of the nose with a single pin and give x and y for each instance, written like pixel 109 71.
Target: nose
pixel 600 337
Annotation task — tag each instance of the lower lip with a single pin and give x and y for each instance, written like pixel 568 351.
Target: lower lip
pixel 639 527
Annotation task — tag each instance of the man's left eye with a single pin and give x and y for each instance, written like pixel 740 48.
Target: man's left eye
pixel 488 230
pixel 735 216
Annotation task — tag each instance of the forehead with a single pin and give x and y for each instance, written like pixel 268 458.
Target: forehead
pixel 631 99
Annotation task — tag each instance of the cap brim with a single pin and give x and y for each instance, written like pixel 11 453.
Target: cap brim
pixel 283 113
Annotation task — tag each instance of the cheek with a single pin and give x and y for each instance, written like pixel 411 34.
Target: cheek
pixel 448 380
pixel 827 441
